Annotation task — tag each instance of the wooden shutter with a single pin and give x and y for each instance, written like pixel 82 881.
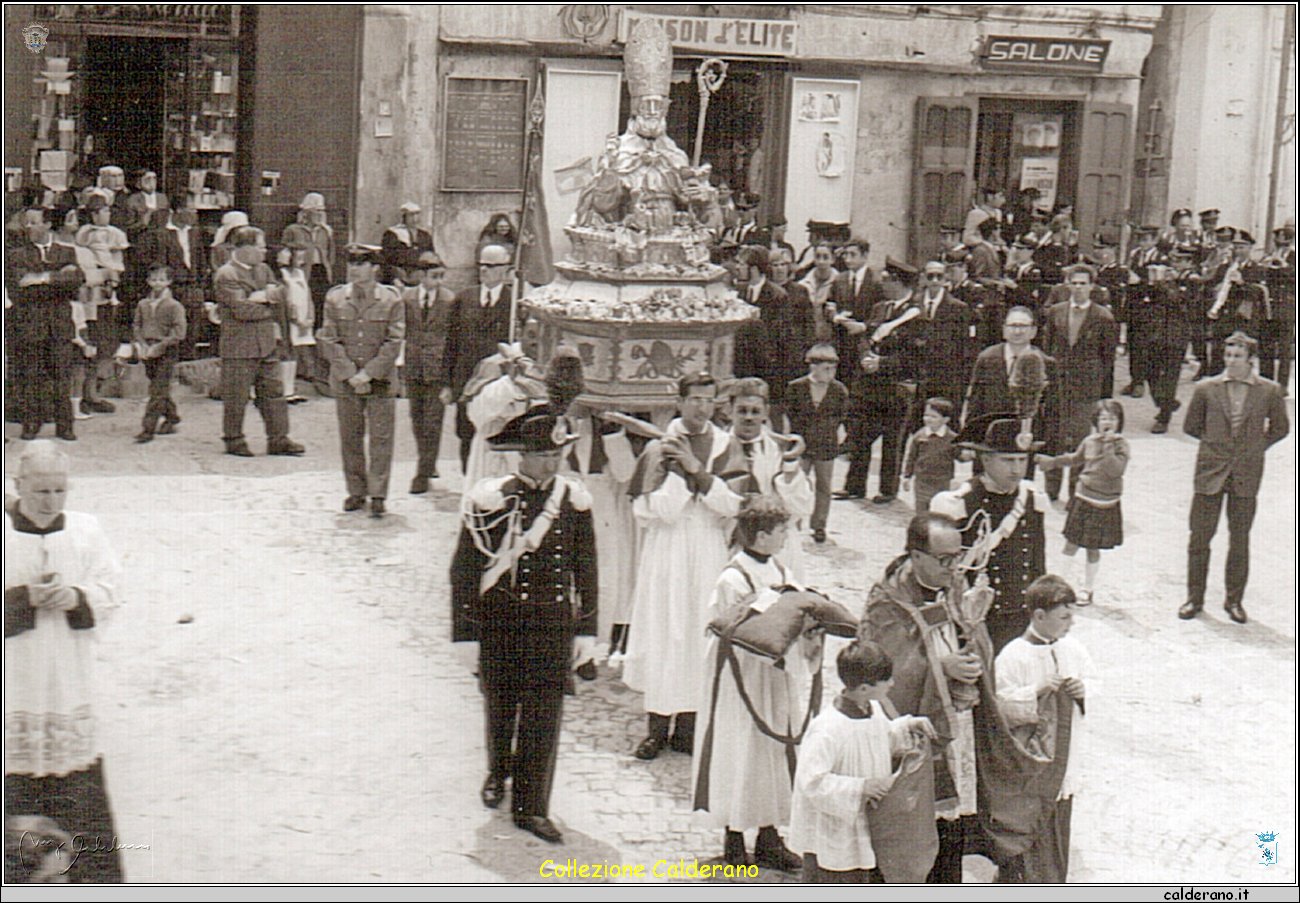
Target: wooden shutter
pixel 1104 165
pixel 944 167
pixel 303 99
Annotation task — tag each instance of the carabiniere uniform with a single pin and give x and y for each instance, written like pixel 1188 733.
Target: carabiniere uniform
pixel 525 616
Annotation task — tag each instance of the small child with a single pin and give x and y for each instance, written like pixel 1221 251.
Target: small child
pixel 159 331
pixel 1029 669
pixel 742 775
pixel 1095 521
pixel 817 404
pixel 931 455
pixel 846 764
pixel 300 313
pixel 105 243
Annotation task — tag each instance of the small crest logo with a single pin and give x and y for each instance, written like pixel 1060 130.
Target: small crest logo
pixel 35 36
pixel 1267 843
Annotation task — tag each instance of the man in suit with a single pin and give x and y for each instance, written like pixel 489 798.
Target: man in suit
pixel 524 602
pixel 480 318
pixel 849 305
pixel 361 337
pixel 253 323
pixel 888 364
pixel 179 245
pixel 1237 416
pixel 1081 335
pixel 428 314
pixel 990 390
pixel 769 342
pixel 946 328
pixel 41 282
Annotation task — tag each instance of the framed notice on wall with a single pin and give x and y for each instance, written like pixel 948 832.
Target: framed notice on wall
pixel 485 121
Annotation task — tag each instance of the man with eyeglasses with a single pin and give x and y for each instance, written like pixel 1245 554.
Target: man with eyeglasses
pixel 480 318
pixel 939 657
pixel 947 347
pixel 990 388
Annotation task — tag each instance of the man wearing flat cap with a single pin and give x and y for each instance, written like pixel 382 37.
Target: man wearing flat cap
pixel 524 584
pixel 1002 509
pixel 360 338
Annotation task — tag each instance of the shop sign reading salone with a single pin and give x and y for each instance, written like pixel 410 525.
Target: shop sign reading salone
pixel 1044 54
pixel 722 35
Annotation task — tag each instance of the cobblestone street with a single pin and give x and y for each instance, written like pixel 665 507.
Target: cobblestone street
pixel 280 702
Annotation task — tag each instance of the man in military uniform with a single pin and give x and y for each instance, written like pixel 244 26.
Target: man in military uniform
pixel 1278 347
pixel 361 337
pixel 523 584
pixel 1237 302
pixel 1169 297
pixel 1012 513
pixel 1138 313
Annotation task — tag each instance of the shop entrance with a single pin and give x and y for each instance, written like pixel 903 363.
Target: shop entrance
pixel 125 90
pixel 1028 143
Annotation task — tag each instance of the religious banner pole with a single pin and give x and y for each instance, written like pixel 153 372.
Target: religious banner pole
pixel 532 241
pixel 709 78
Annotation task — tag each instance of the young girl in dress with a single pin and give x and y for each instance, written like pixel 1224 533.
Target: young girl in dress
pixel 1095 521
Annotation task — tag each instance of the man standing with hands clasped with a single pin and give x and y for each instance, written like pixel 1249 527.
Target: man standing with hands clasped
pixel 252 318
pixel 1237 415
pixel 361 337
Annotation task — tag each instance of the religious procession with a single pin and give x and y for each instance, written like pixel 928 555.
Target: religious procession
pixel 651 600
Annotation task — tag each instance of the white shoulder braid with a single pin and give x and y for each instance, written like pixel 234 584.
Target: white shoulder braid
pixel 579 495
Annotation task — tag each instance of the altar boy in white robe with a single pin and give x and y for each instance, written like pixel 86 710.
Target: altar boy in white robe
pixel 686 509
pixel 742 774
pixel 773 464
pixel 1030 671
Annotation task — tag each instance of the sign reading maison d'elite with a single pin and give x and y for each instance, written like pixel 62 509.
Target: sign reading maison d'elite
pixel 720 36
pixel 1015 52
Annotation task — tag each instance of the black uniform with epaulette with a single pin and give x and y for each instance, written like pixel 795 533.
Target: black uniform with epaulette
pixel 1278 346
pixel 524 584
pixel 1246 307
pixel 1171 305
pixel 1139 314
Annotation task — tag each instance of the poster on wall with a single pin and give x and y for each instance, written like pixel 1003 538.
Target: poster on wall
pixel 1041 173
pixel 485 125
pixel 823 145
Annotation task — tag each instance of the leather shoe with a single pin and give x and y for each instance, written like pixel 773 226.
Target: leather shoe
pixel 883 499
pixel 354 503
pixel 494 791
pixel 419 485
pixel 97 406
pixel 376 507
pixel 842 494
pixel 1190 610
pixel 1235 611
pixel 168 427
pixel 144 437
pixel 650 748
pixel 66 434
pixel 1160 427
pixel 777 857
pixel 819 536
pixel 285 447
pixel 239 449
pixel 587 670
pixel 539 826
pixel 29 433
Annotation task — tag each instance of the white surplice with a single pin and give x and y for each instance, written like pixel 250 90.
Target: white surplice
pixel 839 754
pixel 49 679
pixel 683 549
pixel 749 774
pixel 788 481
pixel 1023 670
